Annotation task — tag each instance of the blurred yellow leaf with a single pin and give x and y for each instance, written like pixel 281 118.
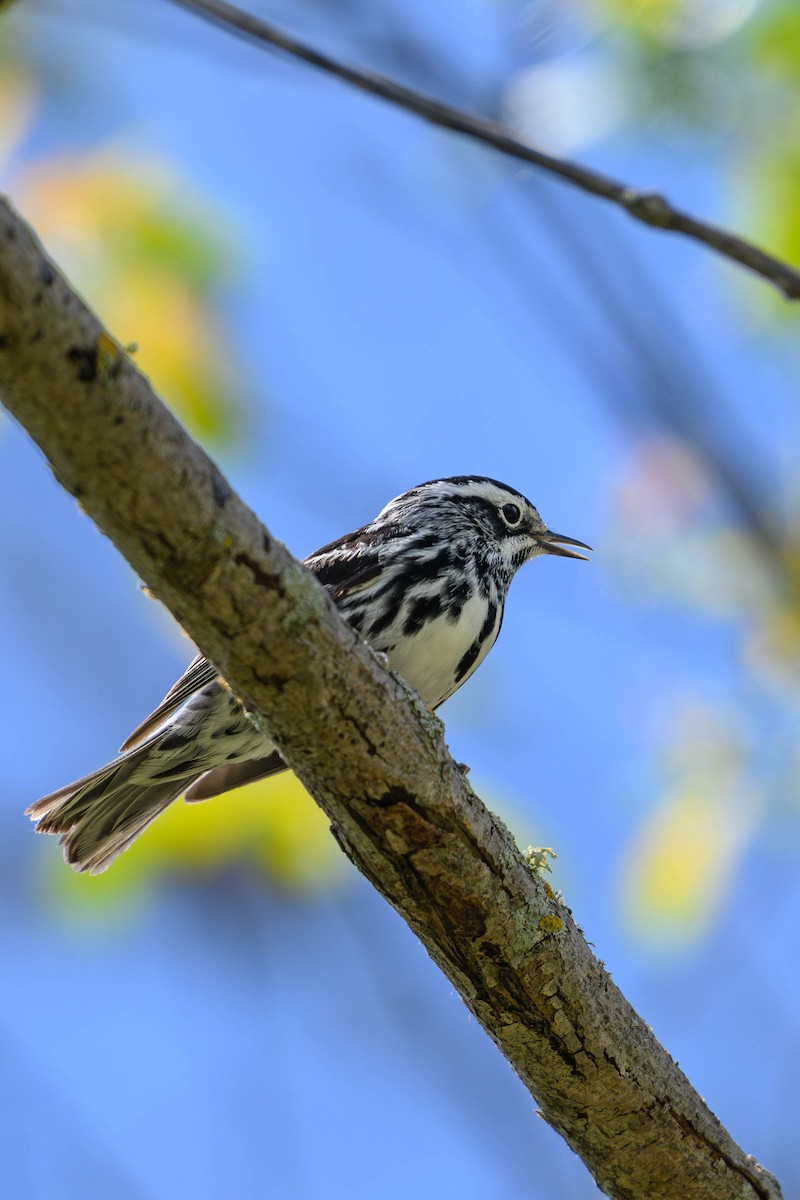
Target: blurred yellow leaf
pixel 272 825
pixel 679 868
pixel 18 103
pixel 131 241
pixel 681 861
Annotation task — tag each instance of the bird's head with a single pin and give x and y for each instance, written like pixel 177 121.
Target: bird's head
pixel 480 518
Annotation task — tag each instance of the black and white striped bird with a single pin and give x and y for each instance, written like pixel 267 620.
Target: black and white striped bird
pixel 425 583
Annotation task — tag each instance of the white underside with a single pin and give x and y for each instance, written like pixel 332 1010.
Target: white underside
pixel 429 660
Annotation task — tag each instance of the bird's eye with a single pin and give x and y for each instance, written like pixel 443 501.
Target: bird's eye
pixel 511 514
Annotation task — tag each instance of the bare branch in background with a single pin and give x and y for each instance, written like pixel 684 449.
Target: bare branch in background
pixel 366 748
pixel 649 207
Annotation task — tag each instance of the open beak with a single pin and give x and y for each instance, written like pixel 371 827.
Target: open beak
pixel 556 543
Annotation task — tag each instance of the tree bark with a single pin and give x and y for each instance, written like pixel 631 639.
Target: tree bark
pixel 364 745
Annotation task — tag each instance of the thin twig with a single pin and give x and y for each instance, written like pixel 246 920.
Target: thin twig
pixel 651 208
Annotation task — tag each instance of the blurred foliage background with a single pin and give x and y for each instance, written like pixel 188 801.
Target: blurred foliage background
pixel 340 302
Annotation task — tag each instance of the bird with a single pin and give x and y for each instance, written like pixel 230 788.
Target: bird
pixel 424 583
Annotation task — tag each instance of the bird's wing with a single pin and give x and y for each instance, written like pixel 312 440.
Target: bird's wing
pixel 197 675
pixel 345 566
pixel 233 775
pixel 342 567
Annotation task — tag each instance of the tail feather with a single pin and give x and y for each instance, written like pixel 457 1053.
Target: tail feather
pixel 50 806
pixel 112 825
pixel 100 815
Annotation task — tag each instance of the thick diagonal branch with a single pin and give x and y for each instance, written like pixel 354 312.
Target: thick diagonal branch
pixel 366 748
pixel 649 207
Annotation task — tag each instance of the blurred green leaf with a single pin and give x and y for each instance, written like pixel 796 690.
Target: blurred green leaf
pixel 775 41
pixel 772 196
pixel 648 20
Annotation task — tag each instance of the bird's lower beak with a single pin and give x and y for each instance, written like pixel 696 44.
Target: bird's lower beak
pixel 556 543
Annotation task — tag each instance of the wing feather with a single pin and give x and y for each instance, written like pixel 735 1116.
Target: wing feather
pixel 343 567
pixel 197 675
pixel 234 775
pixel 352 562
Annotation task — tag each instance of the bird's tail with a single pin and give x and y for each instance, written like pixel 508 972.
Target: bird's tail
pixel 99 816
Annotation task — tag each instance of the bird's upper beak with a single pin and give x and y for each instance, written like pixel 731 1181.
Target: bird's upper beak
pixel 552 544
